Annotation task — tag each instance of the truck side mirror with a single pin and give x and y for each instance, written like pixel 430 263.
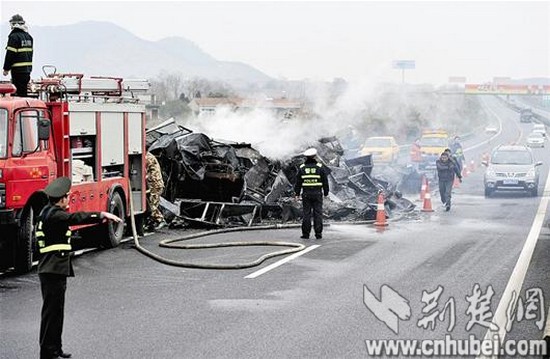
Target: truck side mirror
pixel 44 129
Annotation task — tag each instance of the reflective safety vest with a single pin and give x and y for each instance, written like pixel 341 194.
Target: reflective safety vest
pixel 459 152
pixel 311 175
pixel 44 242
pixel 19 52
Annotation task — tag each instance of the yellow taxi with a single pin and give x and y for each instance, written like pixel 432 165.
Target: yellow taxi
pixel 432 144
pixel 382 149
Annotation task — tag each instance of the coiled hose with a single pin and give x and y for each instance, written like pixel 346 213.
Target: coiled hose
pixel 169 243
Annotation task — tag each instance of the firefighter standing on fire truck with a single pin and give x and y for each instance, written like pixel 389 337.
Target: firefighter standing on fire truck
pixel 53 238
pixel 312 182
pixel 19 55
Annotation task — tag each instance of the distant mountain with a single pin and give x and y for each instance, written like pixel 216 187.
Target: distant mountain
pixel 105 49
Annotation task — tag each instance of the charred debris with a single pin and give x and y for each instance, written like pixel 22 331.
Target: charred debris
pixel 211 183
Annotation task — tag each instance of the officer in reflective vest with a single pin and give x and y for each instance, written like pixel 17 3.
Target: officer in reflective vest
pixel 19 55
pixel 53 237
pixel 312 183
pixel 457 152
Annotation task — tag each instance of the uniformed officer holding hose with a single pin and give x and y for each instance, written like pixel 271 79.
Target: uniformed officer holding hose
pixel 53 238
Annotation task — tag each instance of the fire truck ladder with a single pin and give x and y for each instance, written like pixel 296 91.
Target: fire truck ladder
pixel 77 84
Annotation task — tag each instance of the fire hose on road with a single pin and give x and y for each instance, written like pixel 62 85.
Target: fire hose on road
pixel 170 243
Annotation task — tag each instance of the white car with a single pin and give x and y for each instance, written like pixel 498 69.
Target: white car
pixel 535 139
pixel 512 168
pixel 540 128
pixel 490 130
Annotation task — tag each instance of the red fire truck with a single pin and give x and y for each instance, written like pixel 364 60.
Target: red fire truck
pixel 89 129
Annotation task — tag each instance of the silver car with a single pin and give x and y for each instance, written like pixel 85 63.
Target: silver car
pixel 512 168
pixel 535 139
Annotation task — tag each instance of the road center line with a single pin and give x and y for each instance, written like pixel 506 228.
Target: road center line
pixel 282 261
pixel 499 119
pixel 515 282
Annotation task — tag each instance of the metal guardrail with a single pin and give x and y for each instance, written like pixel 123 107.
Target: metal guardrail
pixel 539 114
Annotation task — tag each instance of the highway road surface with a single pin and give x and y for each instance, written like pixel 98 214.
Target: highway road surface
pixel 428 277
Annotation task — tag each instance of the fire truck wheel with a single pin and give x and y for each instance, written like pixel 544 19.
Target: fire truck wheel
pixel 112 231
pixel 25 240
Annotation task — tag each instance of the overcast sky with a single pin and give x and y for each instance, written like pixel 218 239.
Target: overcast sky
pixel 356 40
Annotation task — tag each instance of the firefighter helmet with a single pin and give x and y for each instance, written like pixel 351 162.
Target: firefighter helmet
pixel 310 152
pixel 17 19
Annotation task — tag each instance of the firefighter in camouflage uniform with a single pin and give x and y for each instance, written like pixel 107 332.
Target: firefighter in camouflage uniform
pixel 155 187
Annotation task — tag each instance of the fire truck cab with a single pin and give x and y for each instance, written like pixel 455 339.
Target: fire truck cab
pixel 91 130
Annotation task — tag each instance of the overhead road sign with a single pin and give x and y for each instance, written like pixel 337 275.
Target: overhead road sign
pixel 404 64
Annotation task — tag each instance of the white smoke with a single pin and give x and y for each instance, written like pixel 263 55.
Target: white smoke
pixel 367 107
pixel 274 138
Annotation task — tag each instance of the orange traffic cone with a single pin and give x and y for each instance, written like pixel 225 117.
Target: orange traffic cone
pixel 380 212
pixel 427 200
pixel 456 182
pixel 472 166
pixel 423 188
pixel 465 172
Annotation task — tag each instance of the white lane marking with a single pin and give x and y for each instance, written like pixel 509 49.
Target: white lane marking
pixel 520 270
pixel 282 261
pixel 479 144
pixel 499 119
pixel 547 327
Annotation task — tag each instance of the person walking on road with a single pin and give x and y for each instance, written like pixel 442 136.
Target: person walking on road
pixel 446 171
pixel 453 159
pixel 19 51
pixel 53 239
pixel 312 183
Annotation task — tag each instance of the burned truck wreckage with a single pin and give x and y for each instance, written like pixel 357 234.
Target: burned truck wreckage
pixel 210 183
